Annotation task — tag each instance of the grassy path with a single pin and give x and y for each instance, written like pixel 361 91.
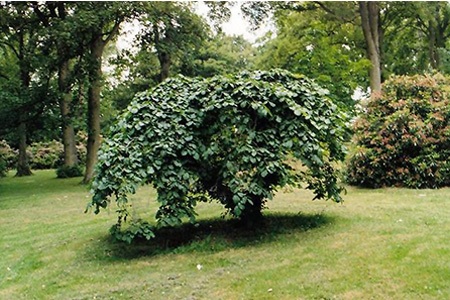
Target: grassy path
pixel 381 244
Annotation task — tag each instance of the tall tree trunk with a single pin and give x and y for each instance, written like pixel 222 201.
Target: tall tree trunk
pixel 432 47
pixel 93 142
pixel 70 150
pixel 165 62
pixel 369 12
pixel 23 167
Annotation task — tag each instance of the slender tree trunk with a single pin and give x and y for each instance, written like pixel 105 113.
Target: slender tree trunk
pixel 93 142
pixel 369 12
pixel 23 167
pixel 165 62
pixel 432 49
pixel 70 150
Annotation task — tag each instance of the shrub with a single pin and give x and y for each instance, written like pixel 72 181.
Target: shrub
pixel 8 158
pixel 43 155
pixel 69 172
pixel 403 137
pixel 46 155
pixel 3 169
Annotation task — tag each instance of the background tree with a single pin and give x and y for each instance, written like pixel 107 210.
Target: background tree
pixel 313 42
pixel 173 30
pixel 371 27
pixel 194 50
pixel 219 54
pixel 97 29
pixel 19 37
pixel 416 39
pixel 63 46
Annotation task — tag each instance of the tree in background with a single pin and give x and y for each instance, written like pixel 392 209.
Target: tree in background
pixel 171 29
pixel 193 50
pixel 99 24
pixel 63 46
pixel 398 37
pixel 417 37
pixel 313 42
pixel 21 95
pixel 219 54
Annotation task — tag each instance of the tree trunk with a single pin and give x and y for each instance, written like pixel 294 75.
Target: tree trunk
pixel 252 214
pixel 165 62
pixel 432 47
pixel 23 168
pixel 93 117
pixel 369 12
pixel 436 38
pixel 70 150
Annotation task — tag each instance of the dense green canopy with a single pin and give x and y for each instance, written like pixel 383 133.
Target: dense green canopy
pixel 226 138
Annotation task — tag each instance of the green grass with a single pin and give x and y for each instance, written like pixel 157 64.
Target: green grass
pixel 380 244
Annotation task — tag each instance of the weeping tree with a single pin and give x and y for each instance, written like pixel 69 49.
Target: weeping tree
pixel 228 139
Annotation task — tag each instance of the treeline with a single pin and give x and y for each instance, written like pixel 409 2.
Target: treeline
pixel 53 57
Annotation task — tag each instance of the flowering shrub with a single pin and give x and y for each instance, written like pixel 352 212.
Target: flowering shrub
pixel 8 158
pixel 403 137
pixel 44 155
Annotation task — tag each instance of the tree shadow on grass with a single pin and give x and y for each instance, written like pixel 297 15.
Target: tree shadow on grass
pixel 214 235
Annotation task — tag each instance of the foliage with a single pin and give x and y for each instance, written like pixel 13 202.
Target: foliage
pixel 46 155
pixel 226 139
pixel 49 155
pixel 403 137
pixel 415 35
pixel 314 43
pixel 3 158
pixel 8 156
pixel 217 55
pixel 3 169
pixel 64 171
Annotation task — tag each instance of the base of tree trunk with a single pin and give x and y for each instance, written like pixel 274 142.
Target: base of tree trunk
pixel 252 216
pixel 25 171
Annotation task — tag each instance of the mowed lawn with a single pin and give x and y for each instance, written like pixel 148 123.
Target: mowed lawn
pixel 380 244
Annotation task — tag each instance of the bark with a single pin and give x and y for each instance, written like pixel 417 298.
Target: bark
pixel 70 150
pixel 432 49
pixel 163 56
pixel 370 22
pixel 165 62
pixel 93 122
pixel 436 39
pixel 23 168
pixel 97 45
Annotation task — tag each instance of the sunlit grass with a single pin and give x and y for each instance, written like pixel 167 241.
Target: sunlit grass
pixel 380 244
